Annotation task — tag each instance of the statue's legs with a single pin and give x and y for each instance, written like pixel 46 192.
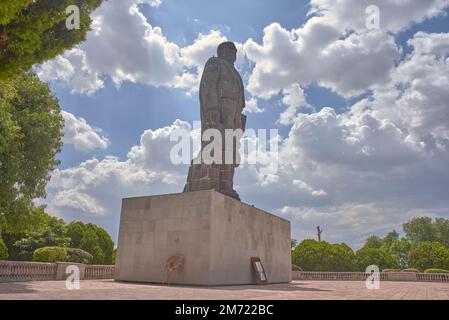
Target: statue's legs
pixel 203 177
pixel 227 169
pixel 219 177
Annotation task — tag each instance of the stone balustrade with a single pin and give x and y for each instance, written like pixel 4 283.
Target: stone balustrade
pixel 26 271
pixel 99 272
pixel 433 277
pixel 11 271
pixel 362 276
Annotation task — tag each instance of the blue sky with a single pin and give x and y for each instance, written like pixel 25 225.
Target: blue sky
pixel 332 170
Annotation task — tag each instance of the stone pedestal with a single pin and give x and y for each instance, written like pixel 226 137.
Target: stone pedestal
pixel 216 234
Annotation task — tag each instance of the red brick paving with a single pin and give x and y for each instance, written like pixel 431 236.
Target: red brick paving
pixel 297 290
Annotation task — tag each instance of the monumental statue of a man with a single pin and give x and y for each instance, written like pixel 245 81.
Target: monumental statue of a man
pixel 221 101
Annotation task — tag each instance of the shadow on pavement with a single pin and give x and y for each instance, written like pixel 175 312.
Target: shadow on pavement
pixel 15 287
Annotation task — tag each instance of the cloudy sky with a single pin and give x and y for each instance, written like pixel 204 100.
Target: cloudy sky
pixel 362 114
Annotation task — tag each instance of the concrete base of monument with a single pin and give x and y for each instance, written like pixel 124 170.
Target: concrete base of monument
pixel 215 234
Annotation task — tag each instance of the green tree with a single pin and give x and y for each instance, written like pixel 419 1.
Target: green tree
pixel 441 229
pixel 373 242
pixel 428 255
pixel 90 243
pixel 344 257
pixel 3 250
pixel 106 244
pixel 312 255
pixel 75 231
pixel 400 250
pixel 388 240
pixel 30 137
pixel 11 8
pixel 371 256
pixel 420 230
pixel 34 31
pixel 52 234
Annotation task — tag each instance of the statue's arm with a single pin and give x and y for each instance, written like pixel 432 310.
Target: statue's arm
pixel 240 118
pixel 209 99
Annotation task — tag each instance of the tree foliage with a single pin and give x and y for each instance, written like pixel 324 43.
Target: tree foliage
pixel 400 250
pixel 420 230
pixel 428 255
pixel 373 242
pixel 32 31
pixel 75 231
pixel 90 243
pixel 61 254
pixel 92 239
pixel 30 137
pixel 51 233
pixel 312 255
pixel 3 250
pixel 369 256
pixel 407 254
pixel 388 240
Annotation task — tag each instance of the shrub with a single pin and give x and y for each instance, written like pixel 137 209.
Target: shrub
pixel 3 250
pixel 429 255
pixel 436 271
pixel 79 256
pixel 391 270
pixel 50 254
pixel 312 255
pixel 53 254
pixel 370 256
pixel 411 270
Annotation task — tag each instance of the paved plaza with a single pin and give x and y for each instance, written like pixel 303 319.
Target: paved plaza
pixel 297 290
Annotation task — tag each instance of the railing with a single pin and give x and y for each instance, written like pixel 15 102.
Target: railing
pixel 11 271
pixel 26 271
pixel 342 276
pixel 433 277
pixel 362 276
pixel 99 272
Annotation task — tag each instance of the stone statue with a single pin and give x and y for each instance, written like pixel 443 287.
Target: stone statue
pixel 222 101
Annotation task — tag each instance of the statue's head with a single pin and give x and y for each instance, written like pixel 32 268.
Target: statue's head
pixel 227 51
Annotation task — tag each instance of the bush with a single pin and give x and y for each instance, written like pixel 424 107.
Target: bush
pixel 391 270
pixel 411 270
pixel 50 254
pixel 370 256
pixel 53 254
pixel 3 250
pixel 312 255
pixel 429 255
pixel 79 256
pixel 436 271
